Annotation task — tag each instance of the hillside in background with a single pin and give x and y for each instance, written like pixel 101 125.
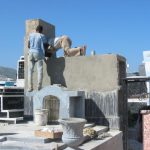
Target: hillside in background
pixel 7 73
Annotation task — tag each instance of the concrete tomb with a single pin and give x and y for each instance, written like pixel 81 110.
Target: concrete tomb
pixel 94 87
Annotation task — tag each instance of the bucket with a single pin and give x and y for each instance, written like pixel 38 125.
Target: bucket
pixel 40 117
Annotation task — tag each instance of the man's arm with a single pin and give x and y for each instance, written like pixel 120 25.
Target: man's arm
pixel 47 52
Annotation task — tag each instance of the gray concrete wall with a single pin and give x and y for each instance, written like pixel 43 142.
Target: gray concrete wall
pixel 99 73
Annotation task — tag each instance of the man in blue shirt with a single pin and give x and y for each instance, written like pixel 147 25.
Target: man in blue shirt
pixel 36 44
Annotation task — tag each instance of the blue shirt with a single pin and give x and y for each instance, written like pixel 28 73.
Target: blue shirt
pixel 36 42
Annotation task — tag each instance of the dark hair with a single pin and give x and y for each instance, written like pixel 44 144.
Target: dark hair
pixel 39 28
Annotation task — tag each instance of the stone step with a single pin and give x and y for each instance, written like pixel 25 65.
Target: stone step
pixel 100 129
pixel 113 141
pixel 27 142
pixel 19 145
pixel 11 119
pixel 28 138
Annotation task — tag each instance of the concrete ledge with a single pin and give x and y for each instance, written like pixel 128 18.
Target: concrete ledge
pixel 18 145
pixel 28 138
pixel 115 142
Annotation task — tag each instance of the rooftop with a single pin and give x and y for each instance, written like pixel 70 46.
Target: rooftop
pixel 21 136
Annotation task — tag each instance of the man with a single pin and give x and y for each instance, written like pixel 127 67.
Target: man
pixel 65 43
pixel 36 44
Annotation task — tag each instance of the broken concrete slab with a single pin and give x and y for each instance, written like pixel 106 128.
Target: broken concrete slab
pixel 3 138
pixel 28 138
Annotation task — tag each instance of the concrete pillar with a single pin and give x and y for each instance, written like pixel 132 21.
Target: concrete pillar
pixel 48 30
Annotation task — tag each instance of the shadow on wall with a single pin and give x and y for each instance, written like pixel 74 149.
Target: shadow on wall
pixel 94 114
pixel 55 71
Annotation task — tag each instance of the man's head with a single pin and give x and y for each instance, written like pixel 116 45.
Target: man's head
pixel 39 28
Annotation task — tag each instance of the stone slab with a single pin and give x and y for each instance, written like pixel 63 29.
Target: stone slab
pixel 18 145
pixel 26 141
pixel 28 138
pixel 100 129
pixel 114 142
pixel 3 138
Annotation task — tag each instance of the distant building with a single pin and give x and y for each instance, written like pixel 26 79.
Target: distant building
pixel 142 71
pixel 12 95
pixel 144 68
pixel 133 74
pixel 146 62
pixel 20 72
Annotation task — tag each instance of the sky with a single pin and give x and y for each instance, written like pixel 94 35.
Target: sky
pixel 106 26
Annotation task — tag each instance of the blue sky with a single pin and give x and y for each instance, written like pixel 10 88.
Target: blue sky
pixel 106 26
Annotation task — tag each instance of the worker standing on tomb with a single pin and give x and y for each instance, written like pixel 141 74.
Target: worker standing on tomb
pixel 36 44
